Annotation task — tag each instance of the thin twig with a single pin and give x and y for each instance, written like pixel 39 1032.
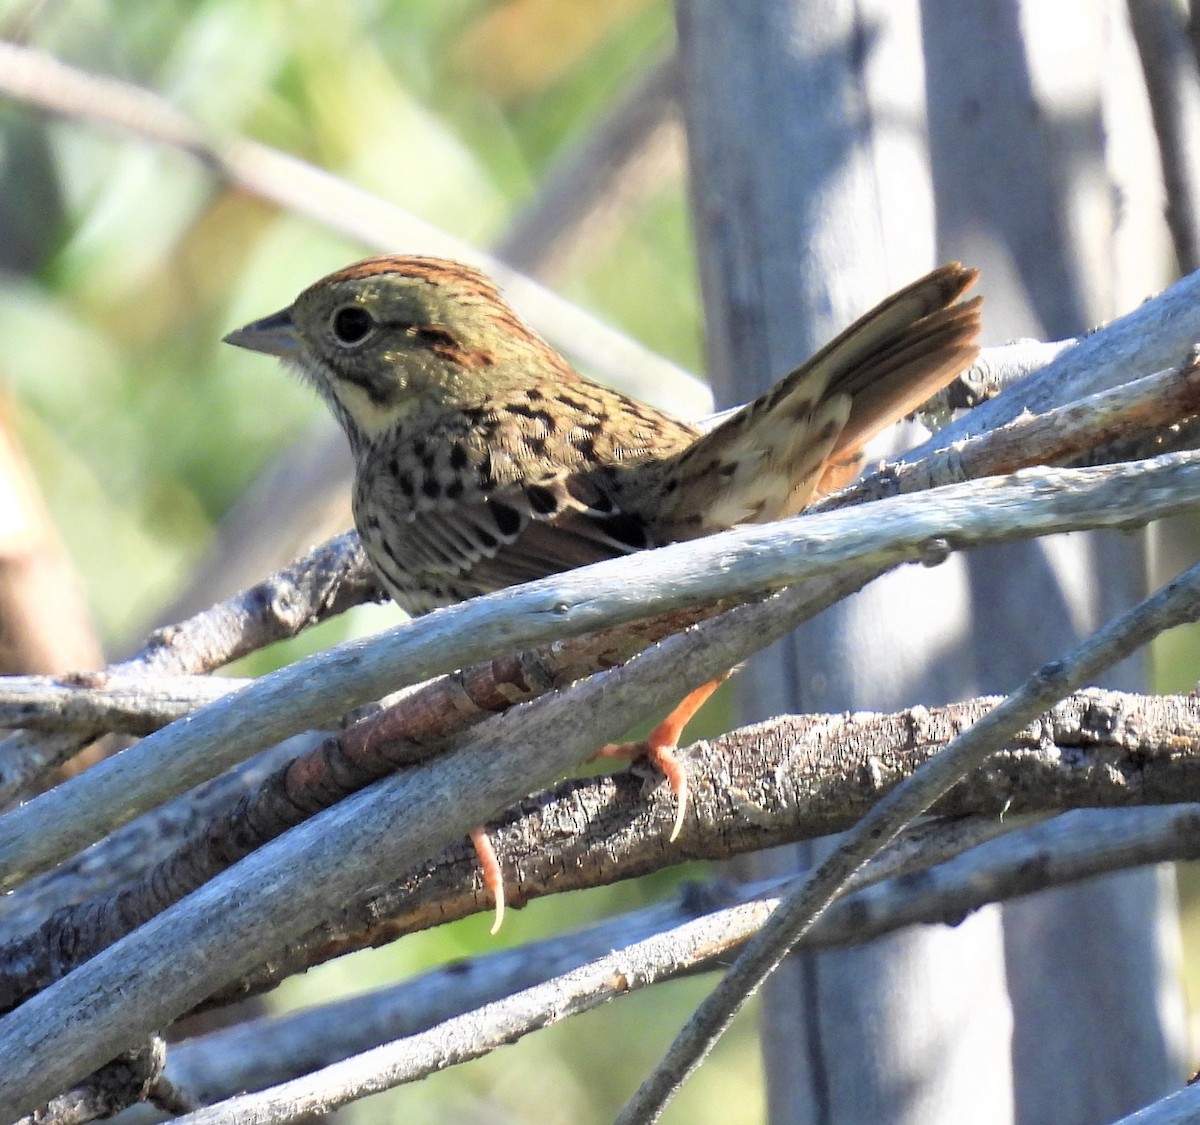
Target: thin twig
pixel 480 1032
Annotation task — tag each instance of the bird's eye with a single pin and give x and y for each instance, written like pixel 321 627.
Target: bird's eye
pixel 352 325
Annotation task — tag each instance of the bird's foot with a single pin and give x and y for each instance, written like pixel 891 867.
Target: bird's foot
pixel 660 745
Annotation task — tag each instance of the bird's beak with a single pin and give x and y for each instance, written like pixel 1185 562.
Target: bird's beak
pixel 274 335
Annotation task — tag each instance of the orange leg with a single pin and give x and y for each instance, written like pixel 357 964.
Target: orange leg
pixel 658 747
pixel 661 743
pixel 493 877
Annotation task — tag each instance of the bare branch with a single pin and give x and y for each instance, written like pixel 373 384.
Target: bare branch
pixel 1098 748
pixel 1157 335
pixel 791 778
pixel 95 703
pixel 1142 411
pixel 326 582
pixel 220 930
pixel 1065 850
pixel 1174 604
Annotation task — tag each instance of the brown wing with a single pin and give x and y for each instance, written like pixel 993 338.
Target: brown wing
pixel 437 553
pixel 455 513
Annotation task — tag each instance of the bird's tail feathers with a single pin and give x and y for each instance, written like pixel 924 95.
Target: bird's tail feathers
pixel 805 435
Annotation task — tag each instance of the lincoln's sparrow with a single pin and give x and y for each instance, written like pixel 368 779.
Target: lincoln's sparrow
pixel 484 460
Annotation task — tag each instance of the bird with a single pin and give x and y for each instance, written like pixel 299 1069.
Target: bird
pixel 483 459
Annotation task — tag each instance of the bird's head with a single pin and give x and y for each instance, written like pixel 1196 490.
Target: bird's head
pixel 389 336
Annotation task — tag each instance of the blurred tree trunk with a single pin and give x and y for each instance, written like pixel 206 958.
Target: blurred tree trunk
pixel 813 168
pixel 1097 1008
